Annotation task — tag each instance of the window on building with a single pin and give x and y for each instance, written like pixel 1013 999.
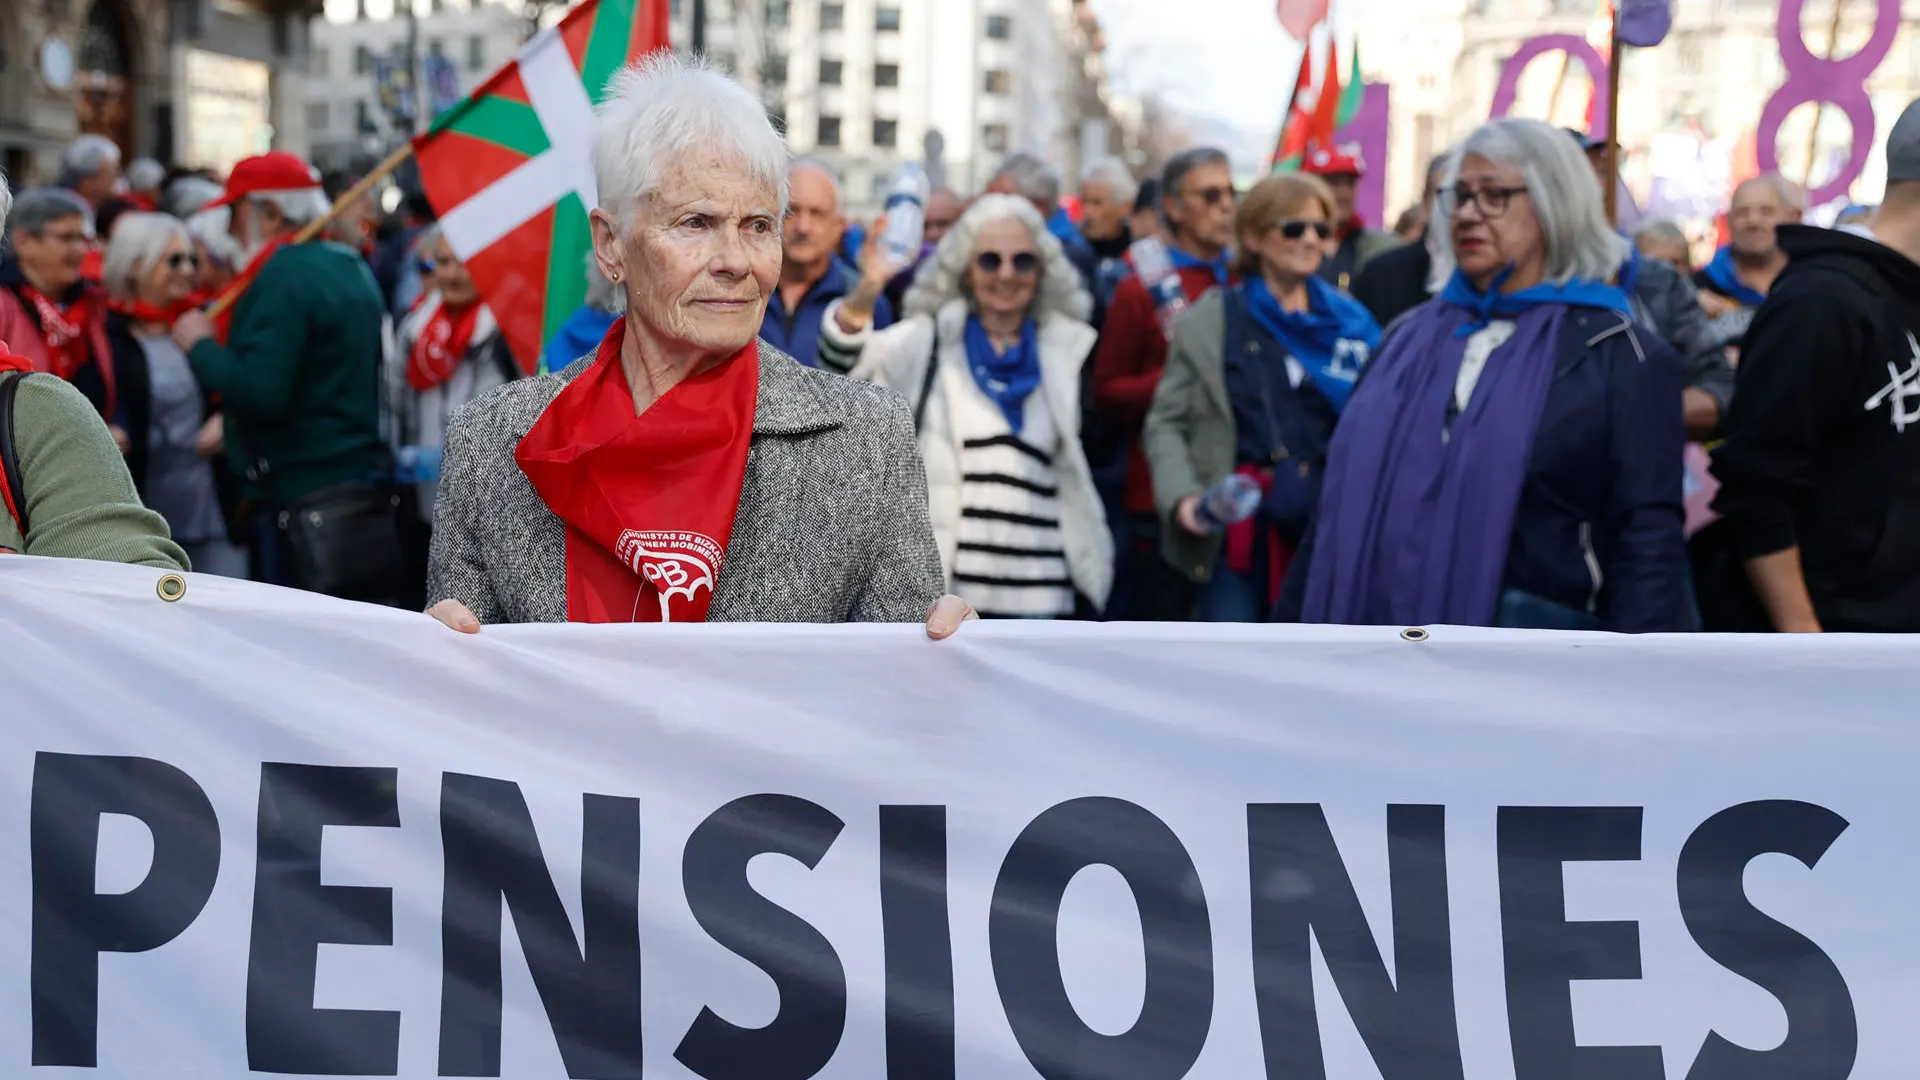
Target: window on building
pixel 319 117
pixel 435 7
pixel 476 52
pixel 319 60
pixel 999 28
pixel 724 61
pixel 777 116
pixel 777 14
pixel 829 133
pixel 360 10
pixel 994 138
pixel 830 72
pixel 833 16
pixel 362 60
pixel 998 82
pixel 673 9
pixel 886 134
pixel 886 18
pixel 437 49
pixel 886 74
pixel 363 118
pixel 773 70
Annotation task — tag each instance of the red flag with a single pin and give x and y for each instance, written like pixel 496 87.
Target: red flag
pixel 1314 112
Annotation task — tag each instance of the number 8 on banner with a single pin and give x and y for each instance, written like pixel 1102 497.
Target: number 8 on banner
pixel 1821 81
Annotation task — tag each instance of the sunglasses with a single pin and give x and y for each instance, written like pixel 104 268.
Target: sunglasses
pixel 1213 196
pixel 989 262
pixel 183 260
pixel 1294 230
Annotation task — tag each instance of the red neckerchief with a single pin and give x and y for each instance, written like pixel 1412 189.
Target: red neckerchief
pixel 65 330
pixel 20 365
pixel 143 312
pixel 1353 226
pixel 648 500
pixel 441 345
pixel 224 321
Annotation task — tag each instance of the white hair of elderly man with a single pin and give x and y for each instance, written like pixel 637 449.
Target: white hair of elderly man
pixel 6 202
pixel 669 109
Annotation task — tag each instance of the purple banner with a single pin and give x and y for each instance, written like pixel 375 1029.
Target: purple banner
pixel 1574 46
pixel 1368 133
pixel 1816 80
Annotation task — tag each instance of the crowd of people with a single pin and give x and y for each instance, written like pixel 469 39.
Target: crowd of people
pixel 1164 399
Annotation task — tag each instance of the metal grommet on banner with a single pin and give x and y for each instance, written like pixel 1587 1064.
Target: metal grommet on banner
pixel 171 587
pixel 1414 634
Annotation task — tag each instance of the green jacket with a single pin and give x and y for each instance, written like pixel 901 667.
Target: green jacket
pixel 299 376
pixel 80 502
pixel 1189 436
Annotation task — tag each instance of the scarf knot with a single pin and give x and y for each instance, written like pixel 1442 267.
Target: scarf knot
pixel 1183 261
pixel 1332 339
pixel 1482 308
pixel 1010 377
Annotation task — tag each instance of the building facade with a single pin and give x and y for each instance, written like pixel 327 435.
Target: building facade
pixel 1689 108
pixel 198 83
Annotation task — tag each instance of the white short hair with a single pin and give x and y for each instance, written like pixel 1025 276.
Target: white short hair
pixel 300 206
pixel 807 164
pixel 146 174
pixel 189 195
pixel 1121 186
pixel 138 242
pixel 84 157
pixel 6 202
pixel 943 277
pixel 1031 177
pixel 1566 198
pixel 209 229
pixel 668 107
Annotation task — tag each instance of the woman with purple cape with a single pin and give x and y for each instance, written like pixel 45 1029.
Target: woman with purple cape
pixel 1511 455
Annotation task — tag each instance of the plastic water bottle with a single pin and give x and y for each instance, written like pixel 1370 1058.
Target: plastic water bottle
pixel 906 216
pixel 1229 502
pixel 1154 267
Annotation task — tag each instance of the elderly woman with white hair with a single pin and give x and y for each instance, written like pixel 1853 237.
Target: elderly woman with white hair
pixel 990 355
pixel 682 471
pixel 175 433
pixel 1511 456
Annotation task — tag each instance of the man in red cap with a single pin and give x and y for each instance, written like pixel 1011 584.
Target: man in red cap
pixel 298 374
pixel 1340 167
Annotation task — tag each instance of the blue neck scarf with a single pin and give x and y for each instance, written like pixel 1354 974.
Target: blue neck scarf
pixel 1332 339
pixel 1720 272
pixel 1483 308
pixel 1009 377
pixel 1184 261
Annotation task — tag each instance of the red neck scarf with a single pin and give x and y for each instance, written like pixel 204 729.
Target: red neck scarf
pixel 648 500
pixel 65 330
pixel 142 312
pixel 441 345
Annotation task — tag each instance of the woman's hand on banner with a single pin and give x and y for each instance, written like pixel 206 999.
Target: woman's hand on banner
pixel 455 615
pixel 944 617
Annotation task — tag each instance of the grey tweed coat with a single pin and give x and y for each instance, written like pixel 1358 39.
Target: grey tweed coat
pixel 832 525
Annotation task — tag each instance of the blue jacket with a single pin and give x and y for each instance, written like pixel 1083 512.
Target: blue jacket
pixel 797 332
pixel 1600 527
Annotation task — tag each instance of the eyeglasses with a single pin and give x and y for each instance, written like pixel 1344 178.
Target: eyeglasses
pixel 180 260
pixel 1024 262
pixel 1492 201
pixel 1213 196
pixel 1295 229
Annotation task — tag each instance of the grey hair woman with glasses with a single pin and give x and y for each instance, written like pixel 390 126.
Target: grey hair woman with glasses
pixel 989 356
pixel 1512 455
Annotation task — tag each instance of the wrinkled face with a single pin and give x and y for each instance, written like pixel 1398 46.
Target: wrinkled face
pixel 172 276
pixel 1346 188
pixel 1101 215
pixel 814 225
pixel 1290 247
pixel 700 258
pixel 450 275
pixel 943 209
pixel 1756 209
pixel 51 261
pixel 1004 275
pixel 1202 210
pixel 1494 223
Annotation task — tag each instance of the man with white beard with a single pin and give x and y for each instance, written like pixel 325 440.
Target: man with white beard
pixel 297 369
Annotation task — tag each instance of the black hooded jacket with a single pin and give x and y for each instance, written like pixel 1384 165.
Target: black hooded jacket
pixel 1822 442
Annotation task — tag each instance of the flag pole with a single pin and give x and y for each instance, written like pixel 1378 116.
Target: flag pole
pixel 1813 125
pixel 313 228
pixel 1615 56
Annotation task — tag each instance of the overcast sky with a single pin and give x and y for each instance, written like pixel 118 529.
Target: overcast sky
pixel 1226 60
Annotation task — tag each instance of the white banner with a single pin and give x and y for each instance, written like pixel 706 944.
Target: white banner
pixel 258 832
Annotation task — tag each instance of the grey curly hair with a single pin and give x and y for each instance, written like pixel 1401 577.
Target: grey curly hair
pixel 943 277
